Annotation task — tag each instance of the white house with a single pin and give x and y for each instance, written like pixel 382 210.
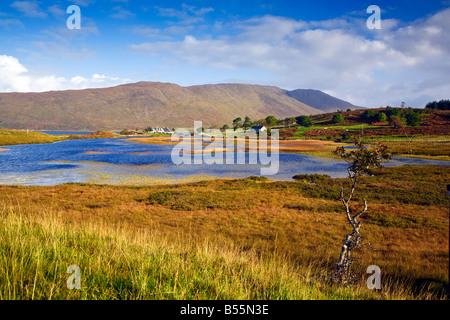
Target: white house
pixel 259 128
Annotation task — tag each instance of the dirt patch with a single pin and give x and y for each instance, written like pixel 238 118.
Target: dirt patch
pixel 306 145
pixel 98 152
pixel 153 140
pixel 143 153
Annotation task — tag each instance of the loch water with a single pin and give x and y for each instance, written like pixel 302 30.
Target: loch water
pixel 120 160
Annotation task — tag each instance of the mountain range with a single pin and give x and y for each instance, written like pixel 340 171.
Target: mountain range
pixel 143 104
pixel 320 100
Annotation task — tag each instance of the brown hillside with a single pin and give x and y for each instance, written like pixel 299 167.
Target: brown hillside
pixel 145 104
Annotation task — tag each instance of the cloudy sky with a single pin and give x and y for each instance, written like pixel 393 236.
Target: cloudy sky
pixel 308 44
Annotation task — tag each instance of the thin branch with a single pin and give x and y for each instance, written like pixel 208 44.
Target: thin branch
pixel 368 244
pixel 341 196
pixel 347 209
pixel 362 211
pixel 353 177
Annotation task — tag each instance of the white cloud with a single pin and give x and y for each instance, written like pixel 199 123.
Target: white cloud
pixel 17 78
pixel 57 11
pixel 166 33
pixel 29 8
pixel 121 13
pixel 187 14
pixel 84 3
pixel 370 68
pixel 13 75
pixel 6 23
pixel 145 31
pixel 62 43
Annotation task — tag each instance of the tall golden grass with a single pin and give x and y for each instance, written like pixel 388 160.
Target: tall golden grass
pixel 223 239
pixel 122 262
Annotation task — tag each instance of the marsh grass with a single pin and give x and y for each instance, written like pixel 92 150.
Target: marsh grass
pixel 425 147
pixel 13 137
pixel 197 200
pixel 137 179
pixel 119 262
pixel 247 238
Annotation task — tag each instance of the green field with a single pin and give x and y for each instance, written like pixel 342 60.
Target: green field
pixel 302 130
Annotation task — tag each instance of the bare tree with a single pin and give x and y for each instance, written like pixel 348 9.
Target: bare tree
pixel 360 161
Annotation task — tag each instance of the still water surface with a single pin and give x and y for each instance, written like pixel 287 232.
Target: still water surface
pixel 121 161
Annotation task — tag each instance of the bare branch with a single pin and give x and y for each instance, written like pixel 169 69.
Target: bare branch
pixel 360 161
pixel 353 177
pixel 362 211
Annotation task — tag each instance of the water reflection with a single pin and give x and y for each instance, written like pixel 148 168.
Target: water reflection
pixel 119 161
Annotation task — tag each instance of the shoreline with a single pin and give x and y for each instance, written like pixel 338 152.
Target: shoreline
pixel 320 148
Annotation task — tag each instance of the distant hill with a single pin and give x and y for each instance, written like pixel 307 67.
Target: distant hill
pixel 144 104
pixel 320 100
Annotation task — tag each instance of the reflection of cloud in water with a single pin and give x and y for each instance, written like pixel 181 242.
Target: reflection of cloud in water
pixel 140 153
pixel 136 163
pixel 95 165
pixel 43 178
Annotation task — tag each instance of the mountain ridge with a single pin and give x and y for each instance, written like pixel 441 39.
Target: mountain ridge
pixel 320 100
pixel 143 104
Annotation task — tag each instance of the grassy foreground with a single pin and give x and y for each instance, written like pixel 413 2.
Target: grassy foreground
pixel 120 263
pixel 224 239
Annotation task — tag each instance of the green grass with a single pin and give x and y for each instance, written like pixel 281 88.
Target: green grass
pixel 355 127
pixel 302 130
pixel 14 137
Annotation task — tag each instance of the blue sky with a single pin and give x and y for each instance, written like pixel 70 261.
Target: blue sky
pixel 292 44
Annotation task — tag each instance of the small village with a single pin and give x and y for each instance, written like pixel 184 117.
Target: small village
pixel 168 131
